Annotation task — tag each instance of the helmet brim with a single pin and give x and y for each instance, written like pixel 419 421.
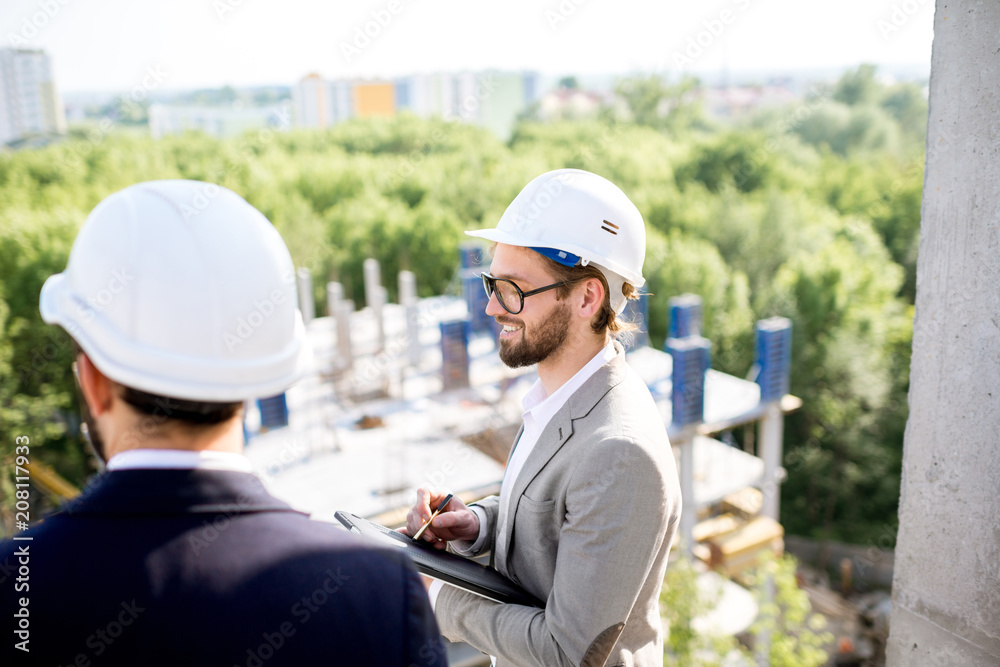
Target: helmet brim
pixel 136 366
pixel 500 236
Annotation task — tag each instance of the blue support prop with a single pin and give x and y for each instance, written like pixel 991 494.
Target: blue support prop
pixel 471 258
pixel 692 357
pixel 685 316
pixel 455 353
pixel 476 300
pixel 273 411
pixel 773 357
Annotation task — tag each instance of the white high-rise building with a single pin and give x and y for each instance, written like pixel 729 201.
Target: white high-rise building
pixel 29 101
pixel 321 103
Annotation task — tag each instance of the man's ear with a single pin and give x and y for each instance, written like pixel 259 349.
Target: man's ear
pixel 592 294
pixel 97 389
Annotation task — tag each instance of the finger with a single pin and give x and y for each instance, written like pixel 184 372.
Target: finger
pixel 435 497
pixel 412 521
pixel 423 505
pixel 447 520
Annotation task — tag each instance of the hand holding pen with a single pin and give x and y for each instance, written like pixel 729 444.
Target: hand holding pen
pixel 443 504
pixel 439 518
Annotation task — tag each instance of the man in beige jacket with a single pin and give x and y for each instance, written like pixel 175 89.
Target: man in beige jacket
pixel 590 499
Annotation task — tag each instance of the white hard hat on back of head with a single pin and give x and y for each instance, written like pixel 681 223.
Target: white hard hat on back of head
pixel 182 289
pixel 577 217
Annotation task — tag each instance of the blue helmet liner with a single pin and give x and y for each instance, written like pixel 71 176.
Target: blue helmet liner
pixel 560 256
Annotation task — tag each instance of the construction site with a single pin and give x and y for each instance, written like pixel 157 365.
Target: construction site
pixel 414 394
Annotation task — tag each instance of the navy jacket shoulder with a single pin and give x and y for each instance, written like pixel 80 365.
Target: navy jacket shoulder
pixel 197 567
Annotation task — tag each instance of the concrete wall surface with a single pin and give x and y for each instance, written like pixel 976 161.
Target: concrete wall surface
pixel 946 589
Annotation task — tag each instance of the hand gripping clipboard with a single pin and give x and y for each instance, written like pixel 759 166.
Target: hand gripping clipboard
pixel 438 564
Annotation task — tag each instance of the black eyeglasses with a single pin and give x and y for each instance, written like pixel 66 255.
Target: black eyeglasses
pixel 509 295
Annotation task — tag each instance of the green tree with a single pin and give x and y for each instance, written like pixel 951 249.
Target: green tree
pixel 653 102
pixel 846 324
pixel 679 264
pixel 796 636
pixel 857 87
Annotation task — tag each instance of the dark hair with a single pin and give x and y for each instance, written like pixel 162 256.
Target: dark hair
pixel 198 413
pixel 605 321
pixel 163 408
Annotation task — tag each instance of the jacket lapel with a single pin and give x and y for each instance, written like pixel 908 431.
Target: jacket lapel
pixel 558 432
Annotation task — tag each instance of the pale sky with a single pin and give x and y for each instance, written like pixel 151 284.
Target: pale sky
pixel 110 44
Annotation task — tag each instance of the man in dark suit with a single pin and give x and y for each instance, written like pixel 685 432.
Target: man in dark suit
pixel 181 298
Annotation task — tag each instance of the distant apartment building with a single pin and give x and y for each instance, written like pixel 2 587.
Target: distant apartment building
pixel 321 103
pixel 737 101
pixel 563 103
pixel 374 98
pixel 490 99
pixel 29 101
pixel 216 121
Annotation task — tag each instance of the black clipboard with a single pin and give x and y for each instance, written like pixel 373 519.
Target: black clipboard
pixel 448 567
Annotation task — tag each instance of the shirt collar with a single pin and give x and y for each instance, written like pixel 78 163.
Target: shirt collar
pixel 179 459
pixel 542 407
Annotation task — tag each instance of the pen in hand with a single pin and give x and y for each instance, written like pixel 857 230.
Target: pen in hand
pixel 443 504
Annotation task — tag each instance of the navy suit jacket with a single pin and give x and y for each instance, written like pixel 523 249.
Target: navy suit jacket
pixel 204 567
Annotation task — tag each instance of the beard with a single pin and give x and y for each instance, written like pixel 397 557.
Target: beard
pixel 548 338
pixel 92 435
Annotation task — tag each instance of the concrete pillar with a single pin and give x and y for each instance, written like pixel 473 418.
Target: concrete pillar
pixel 689 510
pixel 408 299
pixel 345 352
pixel 375 298
pixel 690 360
pixel 772 428
pixel 373 279
pixel 305 286
pixel 378 303
pixel 946 588
pixel 334 295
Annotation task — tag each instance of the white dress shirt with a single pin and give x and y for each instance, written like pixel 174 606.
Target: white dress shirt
pixel 134 459
pixel 539 408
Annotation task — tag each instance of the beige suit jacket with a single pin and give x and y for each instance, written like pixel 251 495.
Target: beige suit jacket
pixel 594 510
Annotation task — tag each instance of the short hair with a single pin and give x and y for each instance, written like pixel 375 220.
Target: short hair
pixel 186 411
pixel 606 321
pixel 192 413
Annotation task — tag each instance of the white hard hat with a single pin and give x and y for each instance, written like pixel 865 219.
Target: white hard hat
pixel 576 217
pixel 182 289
